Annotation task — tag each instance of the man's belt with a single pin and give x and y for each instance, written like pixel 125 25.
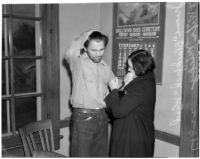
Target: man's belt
pixel 85 110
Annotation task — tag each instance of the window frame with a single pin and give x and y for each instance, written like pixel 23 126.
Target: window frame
pixel 50 65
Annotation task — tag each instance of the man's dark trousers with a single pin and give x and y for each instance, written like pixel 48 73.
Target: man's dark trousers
pixel 89 133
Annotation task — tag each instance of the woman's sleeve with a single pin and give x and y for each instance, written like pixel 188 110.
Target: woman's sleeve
pixel 121 107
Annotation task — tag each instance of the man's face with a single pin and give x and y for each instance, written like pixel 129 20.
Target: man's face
pixel 95 50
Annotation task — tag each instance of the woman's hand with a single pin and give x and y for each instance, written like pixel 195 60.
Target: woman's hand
pixel 114 83
pixel 128 78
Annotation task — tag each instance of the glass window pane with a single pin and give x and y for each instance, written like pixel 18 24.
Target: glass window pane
pixel 25 111
pixel 5 37
pixel 5 9
pixel 5 77
pixel 24 37
pixel 25 76
pixel 6 117
pixel 24 10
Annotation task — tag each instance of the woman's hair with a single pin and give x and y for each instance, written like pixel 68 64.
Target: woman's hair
pixel 142 62
pixel 96 36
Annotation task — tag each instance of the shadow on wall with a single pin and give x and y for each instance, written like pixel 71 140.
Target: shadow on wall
pixel 69 73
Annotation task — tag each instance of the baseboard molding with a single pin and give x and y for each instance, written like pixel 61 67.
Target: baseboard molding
pixel 167 137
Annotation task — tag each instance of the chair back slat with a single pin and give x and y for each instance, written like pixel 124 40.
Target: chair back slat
pixel 51 135
pixel 52 140
pixel 33 142
pixel 29 144
pixel 34 132
pixel 47 140
pixel 25 143
pixel 42 140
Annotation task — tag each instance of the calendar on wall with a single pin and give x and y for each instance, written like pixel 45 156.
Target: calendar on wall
pixel 138 25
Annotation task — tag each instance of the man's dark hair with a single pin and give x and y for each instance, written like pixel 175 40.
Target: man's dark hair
pixel 142 62
pixel 96 36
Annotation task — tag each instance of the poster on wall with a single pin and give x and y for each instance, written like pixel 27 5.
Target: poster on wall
pixel 138 25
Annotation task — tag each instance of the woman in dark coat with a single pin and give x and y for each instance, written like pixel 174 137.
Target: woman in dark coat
pixel 133 110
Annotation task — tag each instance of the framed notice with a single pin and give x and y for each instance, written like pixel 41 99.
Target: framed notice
pixel 138 25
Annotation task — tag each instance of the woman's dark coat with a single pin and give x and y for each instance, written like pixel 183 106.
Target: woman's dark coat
pixel 133 128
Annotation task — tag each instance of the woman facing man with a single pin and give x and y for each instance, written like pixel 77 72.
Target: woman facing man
pixel 132 109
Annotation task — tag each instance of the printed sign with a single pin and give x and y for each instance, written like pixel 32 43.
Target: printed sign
pixel 138 25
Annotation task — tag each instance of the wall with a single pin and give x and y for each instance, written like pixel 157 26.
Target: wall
pixel 75 18
pixel 169 93
pixel 106 27
pixel 168 103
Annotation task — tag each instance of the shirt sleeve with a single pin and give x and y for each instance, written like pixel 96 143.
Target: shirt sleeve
pixel 73 51
pixel 74 48
pixel 110 75
pixel 121 107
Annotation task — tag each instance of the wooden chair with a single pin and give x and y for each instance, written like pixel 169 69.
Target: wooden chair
pixel 36 137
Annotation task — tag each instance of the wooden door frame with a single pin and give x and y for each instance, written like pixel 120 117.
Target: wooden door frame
pixel 51 67
pixel 189 133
